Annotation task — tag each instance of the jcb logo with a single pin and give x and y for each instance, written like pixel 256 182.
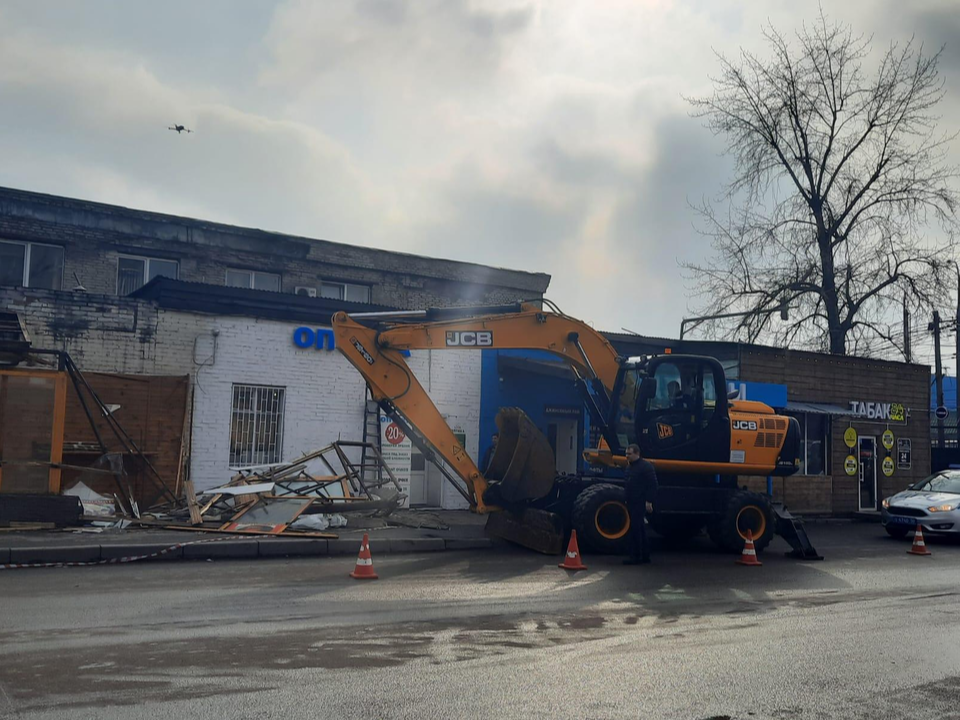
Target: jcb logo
pixel 468 338
pixel 744 425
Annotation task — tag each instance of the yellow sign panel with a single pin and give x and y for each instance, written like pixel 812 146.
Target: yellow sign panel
pixel 850 465
pixel 887 439
pixel 850 438
pixel 888 466
pixel 897 412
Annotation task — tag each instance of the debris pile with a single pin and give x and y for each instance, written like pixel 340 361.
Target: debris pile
pixel 302 498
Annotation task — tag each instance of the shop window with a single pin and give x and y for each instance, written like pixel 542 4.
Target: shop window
pixel 256 425
pixel 345 291
pixel 253 279
pixel 135 272
pixel 814 443
pixel 31 265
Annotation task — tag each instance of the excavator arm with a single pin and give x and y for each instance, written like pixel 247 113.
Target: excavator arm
pixel 377 353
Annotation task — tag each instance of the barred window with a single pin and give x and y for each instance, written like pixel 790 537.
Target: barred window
pixel 256 425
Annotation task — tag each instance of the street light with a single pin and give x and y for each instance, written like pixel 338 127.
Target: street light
pixel 784 311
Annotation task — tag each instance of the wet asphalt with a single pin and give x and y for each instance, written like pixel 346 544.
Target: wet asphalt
pixel 870 632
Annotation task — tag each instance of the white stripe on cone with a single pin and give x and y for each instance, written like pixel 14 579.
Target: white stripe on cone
pixel 362 561
pixel 571 554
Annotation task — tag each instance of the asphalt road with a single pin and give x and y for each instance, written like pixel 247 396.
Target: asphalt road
pixel 870 632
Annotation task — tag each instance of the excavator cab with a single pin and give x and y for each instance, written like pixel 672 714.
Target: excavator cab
pixel 673 407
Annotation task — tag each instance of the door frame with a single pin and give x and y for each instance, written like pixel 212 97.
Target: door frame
pixel 876 489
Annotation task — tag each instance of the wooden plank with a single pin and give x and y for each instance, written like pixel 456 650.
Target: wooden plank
pixel 195 517
pixel 56 441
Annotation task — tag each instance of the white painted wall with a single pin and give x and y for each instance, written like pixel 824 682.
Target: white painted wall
pixel 324 393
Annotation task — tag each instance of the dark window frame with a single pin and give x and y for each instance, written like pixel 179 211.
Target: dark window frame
pixel 146 260
pixel 28 245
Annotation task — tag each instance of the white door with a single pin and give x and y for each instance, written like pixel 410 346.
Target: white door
pixel 567 446
pixel 867 459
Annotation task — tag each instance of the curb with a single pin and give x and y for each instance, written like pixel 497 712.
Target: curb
pixel 264 548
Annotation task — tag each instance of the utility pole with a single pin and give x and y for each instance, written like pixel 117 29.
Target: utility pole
pixel 935 327
pixel 956 364
pixel 908 355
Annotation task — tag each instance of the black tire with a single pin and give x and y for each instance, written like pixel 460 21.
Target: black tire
pixel 897 532
pixel 601 519
pixel 677 528
pixel 743 510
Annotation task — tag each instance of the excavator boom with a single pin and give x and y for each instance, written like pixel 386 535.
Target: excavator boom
pixel 376 352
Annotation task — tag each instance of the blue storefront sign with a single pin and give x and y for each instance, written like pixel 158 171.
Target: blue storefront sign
pixel 770 394
pixel 319 338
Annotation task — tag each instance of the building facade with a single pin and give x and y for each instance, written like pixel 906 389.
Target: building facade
pixel 58 243
pixel 864 423
pixel 140 294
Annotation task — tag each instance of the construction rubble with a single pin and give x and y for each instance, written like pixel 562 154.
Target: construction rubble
pixel 308 497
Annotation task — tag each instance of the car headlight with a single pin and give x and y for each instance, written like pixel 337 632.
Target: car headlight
pixel 885 503
pixel 941 508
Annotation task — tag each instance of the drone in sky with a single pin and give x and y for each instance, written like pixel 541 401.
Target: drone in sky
pixel 180 129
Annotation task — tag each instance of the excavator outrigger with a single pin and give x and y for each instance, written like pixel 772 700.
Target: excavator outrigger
pixel 675 407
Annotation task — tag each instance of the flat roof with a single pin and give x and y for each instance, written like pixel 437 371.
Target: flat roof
pixel 225 300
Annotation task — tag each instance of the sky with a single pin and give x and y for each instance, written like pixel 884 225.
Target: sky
pixel 541 135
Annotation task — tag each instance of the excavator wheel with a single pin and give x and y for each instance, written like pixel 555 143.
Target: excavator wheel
pixel 677 528
pixel 601 518
pixel 743 510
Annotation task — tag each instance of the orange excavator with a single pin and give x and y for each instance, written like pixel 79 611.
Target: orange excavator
pixel 675 407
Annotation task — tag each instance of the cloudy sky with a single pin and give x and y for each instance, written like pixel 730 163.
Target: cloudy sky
pixel 545 135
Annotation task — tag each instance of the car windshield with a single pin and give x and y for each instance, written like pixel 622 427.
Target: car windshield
pixel 942 482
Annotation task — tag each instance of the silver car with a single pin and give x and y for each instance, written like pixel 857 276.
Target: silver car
pixel 933 503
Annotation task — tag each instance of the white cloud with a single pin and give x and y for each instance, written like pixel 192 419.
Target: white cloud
pixel 540 135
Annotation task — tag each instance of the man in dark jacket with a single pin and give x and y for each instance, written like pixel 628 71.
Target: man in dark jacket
pixel 641 491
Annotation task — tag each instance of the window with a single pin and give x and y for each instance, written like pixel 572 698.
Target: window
pixel 135 272
pixel 814 443
pixel 256 425
pixel 31 265
pixel 253 279
pixel 345 291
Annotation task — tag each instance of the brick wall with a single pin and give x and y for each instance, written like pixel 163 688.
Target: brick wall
pixel 325 394
pixel 813 377
pixel 94 235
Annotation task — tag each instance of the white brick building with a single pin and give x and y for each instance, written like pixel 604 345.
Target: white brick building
pixel 323 395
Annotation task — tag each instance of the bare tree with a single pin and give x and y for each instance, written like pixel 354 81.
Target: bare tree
pixel 840 173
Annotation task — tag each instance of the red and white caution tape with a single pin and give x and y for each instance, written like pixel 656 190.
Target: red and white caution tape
pixel 112 561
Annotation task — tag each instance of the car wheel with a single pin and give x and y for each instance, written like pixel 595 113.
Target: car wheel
pixel 897 532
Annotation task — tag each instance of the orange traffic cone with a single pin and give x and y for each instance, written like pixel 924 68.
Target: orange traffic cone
pixel 919 546
pixel 749 555
pixel 364 568
pixel 572 561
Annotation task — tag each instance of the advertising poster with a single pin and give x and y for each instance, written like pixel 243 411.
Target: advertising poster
pixel 396 449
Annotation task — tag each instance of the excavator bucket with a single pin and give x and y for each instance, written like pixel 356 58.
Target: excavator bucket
pixel 523 467
pixel 521 470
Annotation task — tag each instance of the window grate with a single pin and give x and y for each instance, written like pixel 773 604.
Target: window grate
pixel 256 425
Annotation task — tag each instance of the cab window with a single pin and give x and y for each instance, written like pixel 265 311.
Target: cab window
pixel 678 403
pixel 627 408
